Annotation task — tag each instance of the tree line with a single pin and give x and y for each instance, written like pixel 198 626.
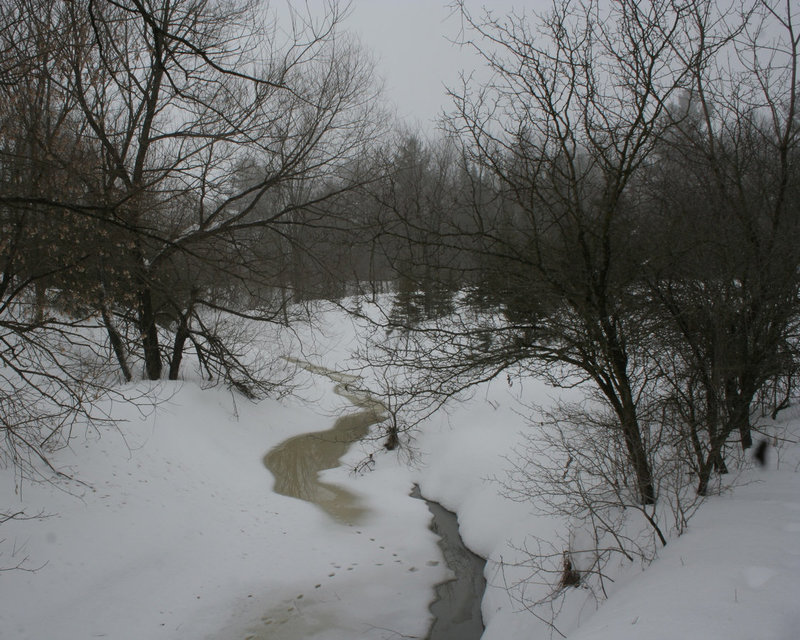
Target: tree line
pixel 620 216
pixel 616 208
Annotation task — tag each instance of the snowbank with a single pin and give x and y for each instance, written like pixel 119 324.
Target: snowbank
pixel 171 531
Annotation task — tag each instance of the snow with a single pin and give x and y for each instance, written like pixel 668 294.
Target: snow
pixel 170 530
pixel 732 575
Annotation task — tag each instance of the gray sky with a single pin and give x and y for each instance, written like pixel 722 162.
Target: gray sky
pixel 409 39
pixel 412 42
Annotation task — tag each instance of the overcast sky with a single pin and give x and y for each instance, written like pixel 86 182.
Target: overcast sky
pixel 411 41
pixel 413 45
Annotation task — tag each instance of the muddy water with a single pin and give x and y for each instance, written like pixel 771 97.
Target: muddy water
pixel 457 608
pixel 297 462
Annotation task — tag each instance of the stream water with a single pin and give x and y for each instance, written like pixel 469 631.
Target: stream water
pixel 296 464
pixel 457 608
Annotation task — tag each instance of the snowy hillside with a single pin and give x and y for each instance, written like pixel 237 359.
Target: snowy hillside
pixel 169 529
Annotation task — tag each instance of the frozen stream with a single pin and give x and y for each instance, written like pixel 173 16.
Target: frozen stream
pixel 296 464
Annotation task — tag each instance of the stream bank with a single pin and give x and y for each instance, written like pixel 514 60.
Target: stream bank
pixel 296 464
pixel 457 607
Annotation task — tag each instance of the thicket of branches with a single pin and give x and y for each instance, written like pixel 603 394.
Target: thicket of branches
pixel 621 214
pixel 616 209
pixel 166 168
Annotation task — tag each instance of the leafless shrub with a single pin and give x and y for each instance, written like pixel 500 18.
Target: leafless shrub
pixel 573 465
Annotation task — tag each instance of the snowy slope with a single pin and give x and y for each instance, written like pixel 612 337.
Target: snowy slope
pixel 173 532
pixel 732 576
pixel 177 535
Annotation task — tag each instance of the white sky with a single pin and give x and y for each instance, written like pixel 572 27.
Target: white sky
pixel 411 42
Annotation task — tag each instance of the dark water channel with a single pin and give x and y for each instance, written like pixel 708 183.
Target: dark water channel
pixel 296 464
pixel 457 608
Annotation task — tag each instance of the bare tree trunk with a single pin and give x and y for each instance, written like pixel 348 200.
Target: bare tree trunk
pixel 116 342
pixel 713 425
pixel 149 333
pixel 40 291
pixel 738 406
pixel 634 444
pixel 717 441
pixel 181 335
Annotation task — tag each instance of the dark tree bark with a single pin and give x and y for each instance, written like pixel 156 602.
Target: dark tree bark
pixel 149 335
pixel 117 343
pixel 181 335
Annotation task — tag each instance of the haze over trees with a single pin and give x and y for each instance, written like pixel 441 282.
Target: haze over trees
pixel 627 207
pixel 616 210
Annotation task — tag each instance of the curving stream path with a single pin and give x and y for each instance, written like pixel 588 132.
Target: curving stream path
pixel 296 464
pixel 457 607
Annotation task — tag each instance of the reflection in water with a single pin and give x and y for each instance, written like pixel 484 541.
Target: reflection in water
pixel 296 462
pixel 457 608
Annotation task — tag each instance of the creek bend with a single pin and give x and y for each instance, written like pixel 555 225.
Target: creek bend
pixel 296 463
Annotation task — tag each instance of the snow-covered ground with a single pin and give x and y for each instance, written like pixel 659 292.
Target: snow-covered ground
pixel 170 530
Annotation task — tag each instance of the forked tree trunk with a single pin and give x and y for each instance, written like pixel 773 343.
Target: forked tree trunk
pixel 717 442
pixel 181 335
pixel 737 419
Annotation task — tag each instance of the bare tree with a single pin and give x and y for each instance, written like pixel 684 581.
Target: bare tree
pixel 173 97
pixel 123 128
pixel 571 117
pixel 52 366
pixel 725 198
